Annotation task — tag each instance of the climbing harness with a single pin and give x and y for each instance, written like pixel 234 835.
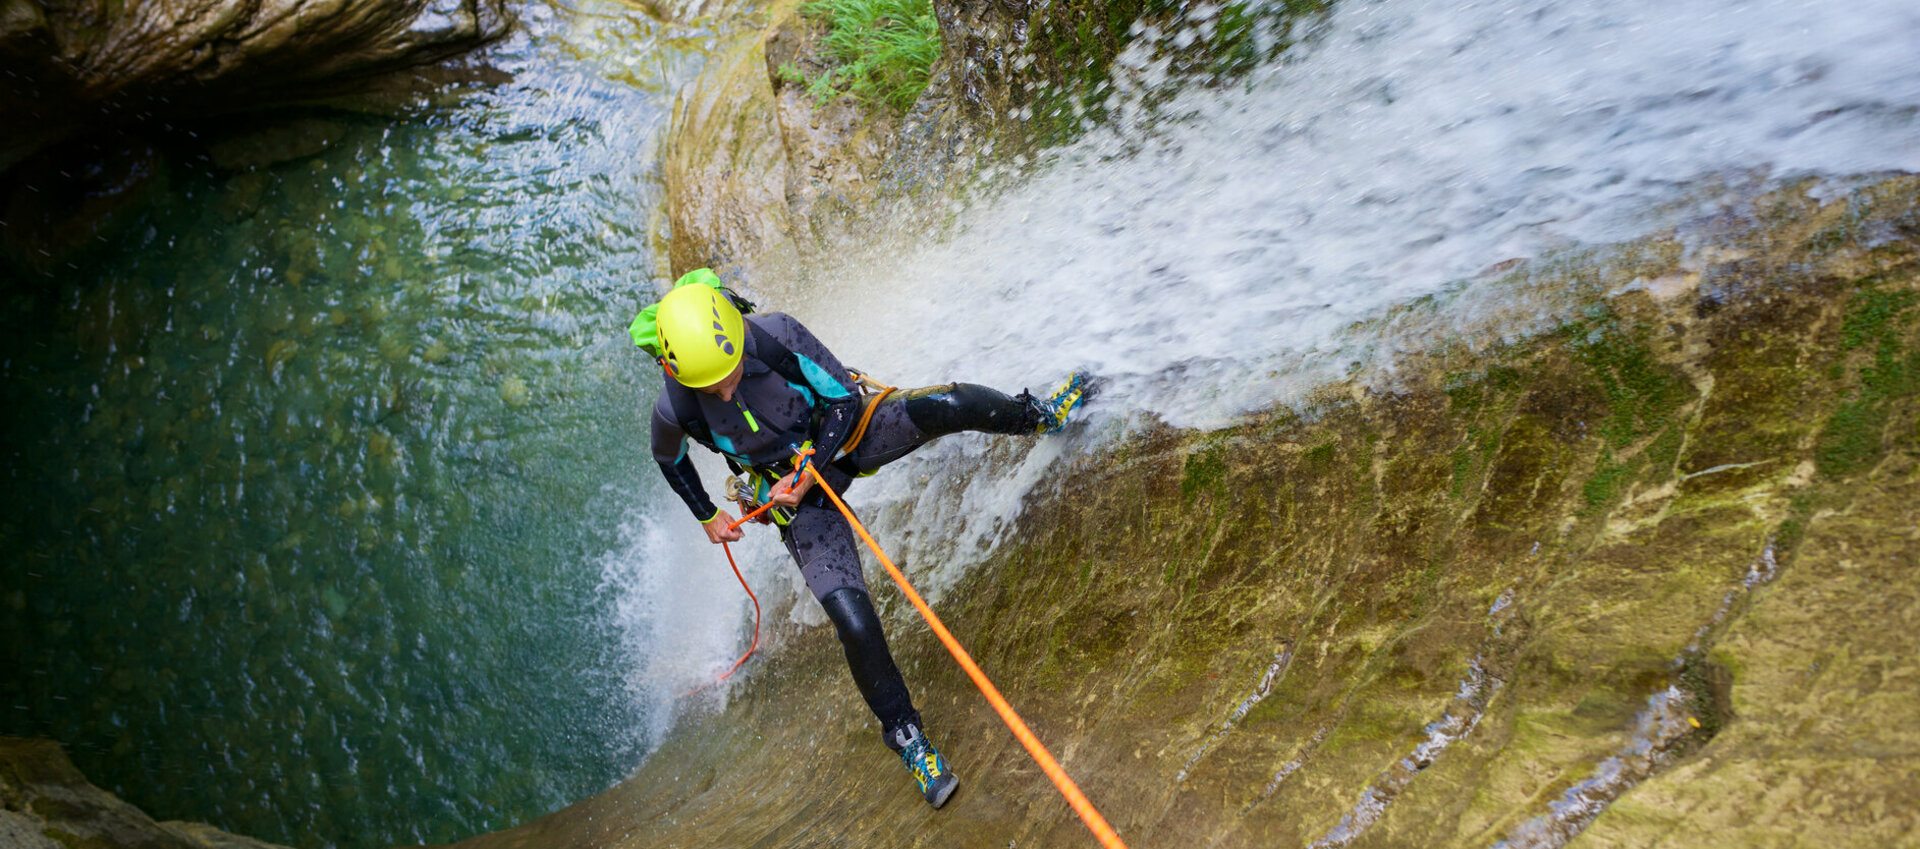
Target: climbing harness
pixel 755 497
pixel 753 492
pixel 874 392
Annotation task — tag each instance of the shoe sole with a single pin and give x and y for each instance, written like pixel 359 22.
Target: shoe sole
pixel 941 794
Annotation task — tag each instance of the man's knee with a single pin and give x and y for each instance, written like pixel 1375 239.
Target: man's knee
pixel 854 618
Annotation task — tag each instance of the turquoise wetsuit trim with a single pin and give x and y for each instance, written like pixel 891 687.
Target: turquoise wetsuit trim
pixel 788 393
pixel 821 379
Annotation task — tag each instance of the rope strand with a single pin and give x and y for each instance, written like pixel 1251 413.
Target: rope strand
pixel 756 622
pixel 1088 814
pixel 1095 823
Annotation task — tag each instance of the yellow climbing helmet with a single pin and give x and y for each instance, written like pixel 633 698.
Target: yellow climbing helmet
pixel 702 335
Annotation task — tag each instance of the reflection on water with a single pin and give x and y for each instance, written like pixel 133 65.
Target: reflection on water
pixel 309 471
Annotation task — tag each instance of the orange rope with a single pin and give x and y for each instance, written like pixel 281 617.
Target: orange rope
pixel 756 605
pixel 1095 822
pixel 756 622
pixel 744 519
pixel 743 585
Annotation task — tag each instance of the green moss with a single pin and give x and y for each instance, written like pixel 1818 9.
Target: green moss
pixel 1463 392
pixel 1236 46
pixel 1788 536
pixel 1205 470
pixel 1081 38
pixel 1851 440
pixel 1319 458
pixel 1665 450
pixel 1471 391
pixel 1640 392
pixel 1871 313
pixel 1462 466
pixel 1607 481
pixel 1706 686
pixel 1505 378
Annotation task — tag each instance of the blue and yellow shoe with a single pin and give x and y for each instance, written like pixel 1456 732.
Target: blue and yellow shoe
pixel 930 771
pixel 1051 414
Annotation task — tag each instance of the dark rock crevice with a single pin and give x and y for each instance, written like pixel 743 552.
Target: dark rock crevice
pixel 100 96
pixel 73 68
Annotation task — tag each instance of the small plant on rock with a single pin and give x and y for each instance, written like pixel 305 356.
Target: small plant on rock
pixel 882 50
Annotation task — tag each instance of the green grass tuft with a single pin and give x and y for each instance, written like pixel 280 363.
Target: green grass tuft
pixel 883 49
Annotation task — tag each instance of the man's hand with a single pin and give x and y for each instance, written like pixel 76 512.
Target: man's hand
pixel 718 531
pixel 788 492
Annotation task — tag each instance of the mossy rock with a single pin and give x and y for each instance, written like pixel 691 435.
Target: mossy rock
pixel 1237 638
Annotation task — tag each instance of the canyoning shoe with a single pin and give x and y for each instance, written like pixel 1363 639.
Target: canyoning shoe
pixel 929 769
pixel 1051 415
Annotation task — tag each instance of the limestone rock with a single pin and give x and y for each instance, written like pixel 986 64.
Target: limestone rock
pixel 1649 579
pixel 76 66
pixel 46 802
pixel 724 165
pixel 758 172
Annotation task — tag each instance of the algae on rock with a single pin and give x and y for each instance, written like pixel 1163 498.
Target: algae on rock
pixel 1596 586
pixel 45 803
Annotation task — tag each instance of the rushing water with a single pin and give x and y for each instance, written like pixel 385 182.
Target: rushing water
pixel 1226 251
pixel 327 493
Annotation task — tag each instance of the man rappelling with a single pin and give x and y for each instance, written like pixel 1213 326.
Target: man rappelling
pixel 764 393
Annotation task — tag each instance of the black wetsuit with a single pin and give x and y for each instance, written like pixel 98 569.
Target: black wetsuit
pixel 771 416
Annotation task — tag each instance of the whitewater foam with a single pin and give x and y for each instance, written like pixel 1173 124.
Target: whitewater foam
pixel 1231 250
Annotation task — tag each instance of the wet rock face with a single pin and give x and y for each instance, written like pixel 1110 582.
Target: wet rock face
pixel 77 65
pixel 1016 74
pixel 724 165
pixel 760 174
pixel 1648 579
pixel 757 171
pixel 45 803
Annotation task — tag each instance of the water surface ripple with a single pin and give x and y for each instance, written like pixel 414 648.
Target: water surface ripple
pixel 309 474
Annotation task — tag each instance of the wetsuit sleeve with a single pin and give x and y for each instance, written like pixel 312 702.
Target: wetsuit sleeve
pixel 834 394
pixel 670 451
